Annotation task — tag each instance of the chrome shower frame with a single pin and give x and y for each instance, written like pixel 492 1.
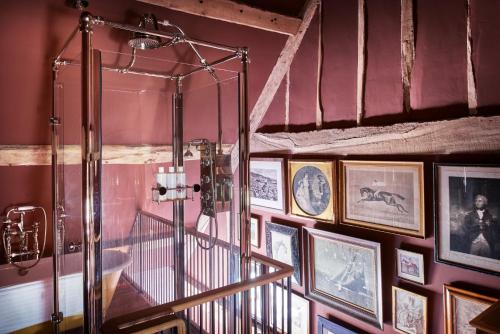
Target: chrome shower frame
pixel 91 145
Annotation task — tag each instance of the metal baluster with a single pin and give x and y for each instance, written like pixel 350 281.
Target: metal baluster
pixel 283 306
pixel 275 322
pixel 289 304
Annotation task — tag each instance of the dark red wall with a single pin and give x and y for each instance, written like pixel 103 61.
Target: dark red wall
pixel 136 110
pixel 439 85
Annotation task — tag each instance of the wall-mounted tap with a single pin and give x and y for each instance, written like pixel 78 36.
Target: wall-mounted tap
pixel 20 241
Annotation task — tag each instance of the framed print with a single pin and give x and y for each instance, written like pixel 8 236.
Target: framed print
pixel 383 195
pixel 410 266
pixel 467 207
pixel 461 306
pixel 326 326
pixel 282 244
pixel 409 312
pixel 344 273
pixel 255 230
pixel 299 310
pixel 267 183
pixel 312 189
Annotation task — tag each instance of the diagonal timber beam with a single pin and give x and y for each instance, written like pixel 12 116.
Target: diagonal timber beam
pixel 233 12
pixel 281 68
pixel 469 134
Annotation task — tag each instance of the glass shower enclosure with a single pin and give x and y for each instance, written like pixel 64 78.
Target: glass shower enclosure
pixel 150 175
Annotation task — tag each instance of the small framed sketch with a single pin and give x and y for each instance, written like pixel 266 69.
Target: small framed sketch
pixel 300 312
pixel 467 211
pixel 326 326
pixel 410 266
pixel 383 195
pixel 255 230
pixel 267 188
pixel 282 244
pixel 312 189
pixel 409 312
pixel 461 306
pixel 344 273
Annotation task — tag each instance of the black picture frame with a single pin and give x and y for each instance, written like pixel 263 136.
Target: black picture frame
pixel 438 256
pixel 293 233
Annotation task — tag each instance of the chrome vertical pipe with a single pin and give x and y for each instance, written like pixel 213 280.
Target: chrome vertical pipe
pixel 56 316
pixel 244 163
pixel 178 209
pixel 91 179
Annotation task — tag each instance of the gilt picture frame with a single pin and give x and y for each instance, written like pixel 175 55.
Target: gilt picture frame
pixel 312 189
pixel 409 312
pixel 267 184
pixel 461 306
pixel 283 244
pixel 344 273
pixel 466 216
pixel 410 266
pixel 387 196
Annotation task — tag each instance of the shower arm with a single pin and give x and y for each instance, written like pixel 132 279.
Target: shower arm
pixel 210 70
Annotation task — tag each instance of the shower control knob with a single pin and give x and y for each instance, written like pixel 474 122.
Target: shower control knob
pixel 196 187
pixel 162 191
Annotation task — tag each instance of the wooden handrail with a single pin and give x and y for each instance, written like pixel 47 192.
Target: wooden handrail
pixel 159 314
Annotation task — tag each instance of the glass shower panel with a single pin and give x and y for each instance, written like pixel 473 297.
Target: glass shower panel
pixel 67 102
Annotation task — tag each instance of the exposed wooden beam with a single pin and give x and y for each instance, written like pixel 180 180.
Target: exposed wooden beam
pixel 470 134
pixel 233 12
pixel 281 68
pixel 361 68
pixel 471 76
pixel 407 50
pixel 40 155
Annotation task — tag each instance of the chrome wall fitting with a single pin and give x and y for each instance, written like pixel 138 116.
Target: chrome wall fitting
pixel 20 240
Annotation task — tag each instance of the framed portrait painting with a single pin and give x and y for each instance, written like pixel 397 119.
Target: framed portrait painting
pixel 410 266
pixel 409 312
pixel 267 188
pixel 312 189
pixel 326 326
pixel 383 195
pixel 282 244
pixel 344 273
pixel 467 207
pixel 461 306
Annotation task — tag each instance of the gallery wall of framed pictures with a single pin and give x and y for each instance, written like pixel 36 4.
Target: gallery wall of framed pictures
pixel 378 210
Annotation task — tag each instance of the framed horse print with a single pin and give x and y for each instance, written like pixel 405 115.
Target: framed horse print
pixel 383 195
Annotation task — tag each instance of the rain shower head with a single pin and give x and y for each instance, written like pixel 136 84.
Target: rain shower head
pixel 145 41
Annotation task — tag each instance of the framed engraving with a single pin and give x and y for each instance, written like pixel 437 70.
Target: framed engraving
pixel 344 273
pixel 383 195
pixel 461 306
pixel 267 188
pixel 312 189
pixel 255 230
pixel 282 244
pixel 326 326
pixel 409 312
pixel 467 207
pixel 410 266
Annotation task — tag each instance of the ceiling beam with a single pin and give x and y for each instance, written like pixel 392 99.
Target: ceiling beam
pixel 233 12
pixel 469 134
